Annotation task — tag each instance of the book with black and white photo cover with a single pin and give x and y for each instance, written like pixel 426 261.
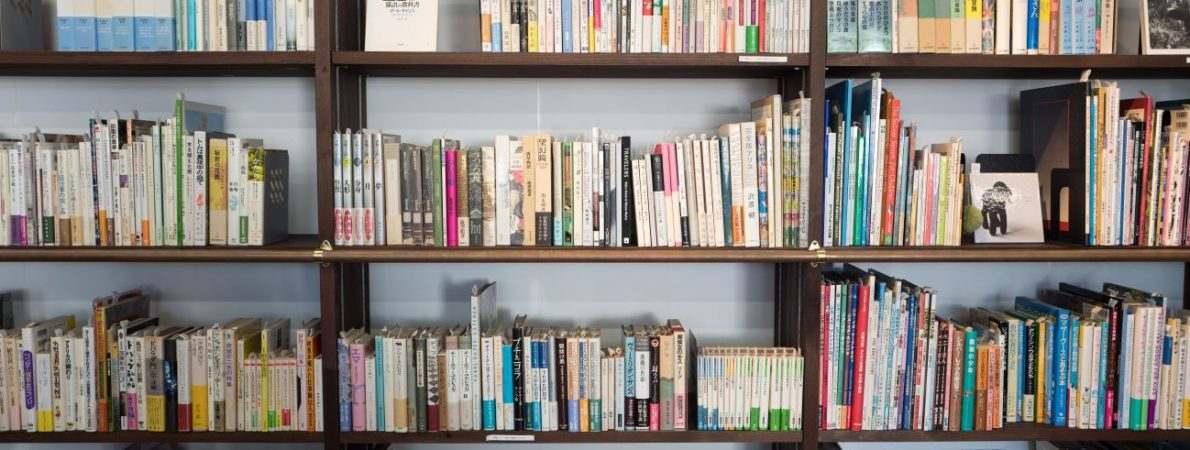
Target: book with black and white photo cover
pixel 401 26
pixel 1009 205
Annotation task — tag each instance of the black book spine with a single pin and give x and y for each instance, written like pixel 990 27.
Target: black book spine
pixel 561 377
pixel 518 381
pixel 427 196
pixel 475 196
pixel 606 200
pixel 406 196
pixel 169 371
pixel 627 200
pixel 940 375
pixel 522 19
pixel 654 375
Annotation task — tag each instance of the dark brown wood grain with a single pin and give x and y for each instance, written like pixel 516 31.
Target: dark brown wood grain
pixel 570 65
pixel 149 437
pixel 1055 252
pixel 157 64
pixel 914 65
pixel 459 437
pixel 567 254
pixel 1011 432
pixel 298 248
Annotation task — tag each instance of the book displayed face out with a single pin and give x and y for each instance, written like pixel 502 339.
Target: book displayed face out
pixel 1009 205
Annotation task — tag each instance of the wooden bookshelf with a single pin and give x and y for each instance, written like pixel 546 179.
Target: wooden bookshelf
pixel 157 64
pixel 1007 253
pixel 298 248
pixel 912 65
pixel 568 65
pixel 150 437
pixel 565 254
pixel 1011 432
pixel 557 437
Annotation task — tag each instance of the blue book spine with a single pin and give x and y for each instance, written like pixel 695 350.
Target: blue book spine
pixel 849 367
pixel 1101 389
pixel 103 34
pixel 123 33
pixel 165 32
pixel 1049 373
pixel 535 402
pixel 506 365
pixel 629 380
pixel 1068 23
pixel 66 39
pixel 145 33
pixel 701 411
pixel 344 388
pixel 379 362
pixel 84 33
pixel 567 39
pixel 1125 131
pixel 191 31
pixel 725 162
pixel 270 22
pixel 1031 27
pixel 907 381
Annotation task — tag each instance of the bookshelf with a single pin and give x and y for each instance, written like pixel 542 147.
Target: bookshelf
pixel 340 71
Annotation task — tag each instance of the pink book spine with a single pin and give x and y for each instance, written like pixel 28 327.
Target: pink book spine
pixel 452 200
pixel 654 417
pixel 671 187
pixel 132 413
pixel 929 211
pixel 358 389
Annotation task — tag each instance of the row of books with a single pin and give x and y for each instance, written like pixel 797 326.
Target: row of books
pixel 124 371
pixel 1122 162
pixel 880 188
pixel 645 26
pixel 752 389
pixel 743 187
pixel 1002 27
pixel 184 25
pixel 1076 358
pixel 132 182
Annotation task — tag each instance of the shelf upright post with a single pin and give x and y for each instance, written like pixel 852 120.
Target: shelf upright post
pixel 811 274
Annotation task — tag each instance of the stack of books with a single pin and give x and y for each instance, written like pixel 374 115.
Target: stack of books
pixel 184 25
pixel 1076 358
pixel 645 26
pixel 1001 27
pixel 123 371
pixel 750 388
pixel 744 187
pixel 181 181
pixel 880 187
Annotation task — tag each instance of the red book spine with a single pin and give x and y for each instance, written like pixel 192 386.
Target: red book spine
pixel 183 417
pixel 861 357
pixel 824 325
pixel 891 158
pixel 452 199
pixel 758 17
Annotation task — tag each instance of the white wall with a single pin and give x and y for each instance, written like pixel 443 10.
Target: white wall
pixel 721 303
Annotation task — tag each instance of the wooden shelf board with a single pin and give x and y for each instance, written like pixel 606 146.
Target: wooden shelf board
pixel 461 437
pixel 1052 252
pixel 919 65
pixel 1011 432
pixel 565 254
pixel 154 64
pixel 298 248
pixel 145 436
pixel 570 65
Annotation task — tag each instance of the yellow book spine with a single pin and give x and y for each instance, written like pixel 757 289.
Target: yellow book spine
pixel 156 405
pixel 584 418
pixel 1040 395
pixel 45 421
pixel 198 409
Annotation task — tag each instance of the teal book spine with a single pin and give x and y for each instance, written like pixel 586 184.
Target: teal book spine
pixel 841 24
pixel 968 419
pixel 379 361
pixel 567 181
pixel 874 20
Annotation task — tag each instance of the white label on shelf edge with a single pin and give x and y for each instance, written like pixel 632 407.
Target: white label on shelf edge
pixel 763 59
pixel 510 438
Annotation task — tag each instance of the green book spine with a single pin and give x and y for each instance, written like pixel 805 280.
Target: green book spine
pixel 596 410
pixel 752 44
pixel 567 193
pixel 968 421
pixel 436 179
pixel 858 221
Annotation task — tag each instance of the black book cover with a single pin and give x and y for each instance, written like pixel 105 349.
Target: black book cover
pixel 475 196
pixel 654 373
pixel 627 199
pixel 561 376
pixel 940 373
pixel 408 193
pixel 523 20
pixel 427 196
pixel 603 214
pixel 1053 129
pixel 518 380
pixel 170 375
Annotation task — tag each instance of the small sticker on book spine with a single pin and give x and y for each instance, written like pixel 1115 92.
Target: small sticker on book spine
pixel 763 59
pixel 510 438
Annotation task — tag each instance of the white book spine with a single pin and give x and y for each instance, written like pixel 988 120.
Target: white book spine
pixel 503 215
